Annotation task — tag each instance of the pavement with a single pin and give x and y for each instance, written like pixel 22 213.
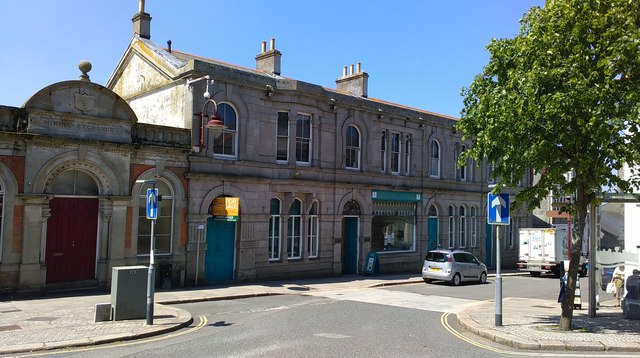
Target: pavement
pixel 59 321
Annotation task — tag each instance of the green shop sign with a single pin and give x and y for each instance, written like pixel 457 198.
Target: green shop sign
pixel 396 196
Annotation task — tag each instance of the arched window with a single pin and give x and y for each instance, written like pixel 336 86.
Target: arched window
pixel 462 227
pixel 225 143
pixel 313 231
pixel 294 238
pixel 474 227
pixel 351 207
pixel 452 230
pixel 163 228
pixel 74 182
pixel 352 148
pixel 274 229
pixel 435 159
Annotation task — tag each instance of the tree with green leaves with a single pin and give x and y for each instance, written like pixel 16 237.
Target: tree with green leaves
pixel 561 96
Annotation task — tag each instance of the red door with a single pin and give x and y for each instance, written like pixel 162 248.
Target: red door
pixel 71 239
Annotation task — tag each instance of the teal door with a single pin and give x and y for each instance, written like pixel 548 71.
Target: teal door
pixel 489 247
pixel 432 226
pixel 350 245
pixel 218 259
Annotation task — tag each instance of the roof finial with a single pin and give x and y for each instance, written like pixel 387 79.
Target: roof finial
pixel 141 6
pixel 85 67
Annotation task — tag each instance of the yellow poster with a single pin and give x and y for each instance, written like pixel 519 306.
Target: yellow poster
pixel 225 208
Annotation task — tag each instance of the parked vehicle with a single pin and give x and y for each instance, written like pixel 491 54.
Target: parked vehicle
pixel 544 250
pixel 454 266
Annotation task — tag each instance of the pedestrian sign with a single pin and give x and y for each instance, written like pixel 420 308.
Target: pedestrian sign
pixel 498 209
pixel 152 203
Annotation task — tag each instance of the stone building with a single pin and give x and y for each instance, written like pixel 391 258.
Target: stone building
pixel 69 159
pixel 261 176
pixel 321 176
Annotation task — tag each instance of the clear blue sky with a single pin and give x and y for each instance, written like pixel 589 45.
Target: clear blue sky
pixel 418 53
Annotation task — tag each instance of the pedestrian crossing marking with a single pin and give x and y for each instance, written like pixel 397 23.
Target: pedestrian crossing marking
pixel 398 299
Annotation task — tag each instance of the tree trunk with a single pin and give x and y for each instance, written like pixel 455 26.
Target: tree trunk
pixel 580 204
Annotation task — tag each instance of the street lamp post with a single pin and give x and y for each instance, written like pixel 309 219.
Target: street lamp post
pixel 213 121
pixel 152 214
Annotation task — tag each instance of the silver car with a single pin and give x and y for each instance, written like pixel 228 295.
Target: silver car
pixel 454 266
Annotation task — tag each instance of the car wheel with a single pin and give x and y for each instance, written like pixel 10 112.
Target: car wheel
pixel 456 279
pixel 534 274
pixel 427 280
pixel 483 278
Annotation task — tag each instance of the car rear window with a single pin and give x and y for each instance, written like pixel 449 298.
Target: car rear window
pixel 436 256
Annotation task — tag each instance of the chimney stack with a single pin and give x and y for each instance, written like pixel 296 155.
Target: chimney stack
pixel 269 61
pixel 142 22
pixel 356 83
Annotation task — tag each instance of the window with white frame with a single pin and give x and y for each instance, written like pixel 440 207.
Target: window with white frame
pixel 313 230
pixel 282 138
pixel 163 227
pixel 383 152
pixel 462 227
pixel 474 227
pixel 462 171
pixel 407 155
pixel 395 153
pixel 303 139
pixel 274 229
pixel 490 179
pixel 352 150
pixel 294 237
pixel 452 230
pixel 225 143
pixel 435 159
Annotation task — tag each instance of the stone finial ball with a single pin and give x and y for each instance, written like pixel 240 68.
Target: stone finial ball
pixel 84 66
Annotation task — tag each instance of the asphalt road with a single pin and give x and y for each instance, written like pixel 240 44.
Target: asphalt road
pixel 396 321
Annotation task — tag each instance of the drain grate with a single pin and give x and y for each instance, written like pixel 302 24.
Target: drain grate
pixel 11 311
pixel 13 327
pixel 42 319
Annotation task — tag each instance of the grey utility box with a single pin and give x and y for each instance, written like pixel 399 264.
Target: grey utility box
pixel 129 292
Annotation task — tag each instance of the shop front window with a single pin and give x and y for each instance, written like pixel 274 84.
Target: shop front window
pixel 393 226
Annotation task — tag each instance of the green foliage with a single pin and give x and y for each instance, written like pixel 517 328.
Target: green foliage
pixel 563 95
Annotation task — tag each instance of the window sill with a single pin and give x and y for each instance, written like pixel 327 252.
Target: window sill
pixel 225 157
pixel 395 252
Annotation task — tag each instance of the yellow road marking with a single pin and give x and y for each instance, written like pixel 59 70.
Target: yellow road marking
pixel 447 326
pixel 202 323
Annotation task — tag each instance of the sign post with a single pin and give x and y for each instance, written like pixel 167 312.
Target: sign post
pixel 152 214
pixel 498 214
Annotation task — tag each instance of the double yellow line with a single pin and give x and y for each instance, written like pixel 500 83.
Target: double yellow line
pixel 444 320
pixel 203 322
